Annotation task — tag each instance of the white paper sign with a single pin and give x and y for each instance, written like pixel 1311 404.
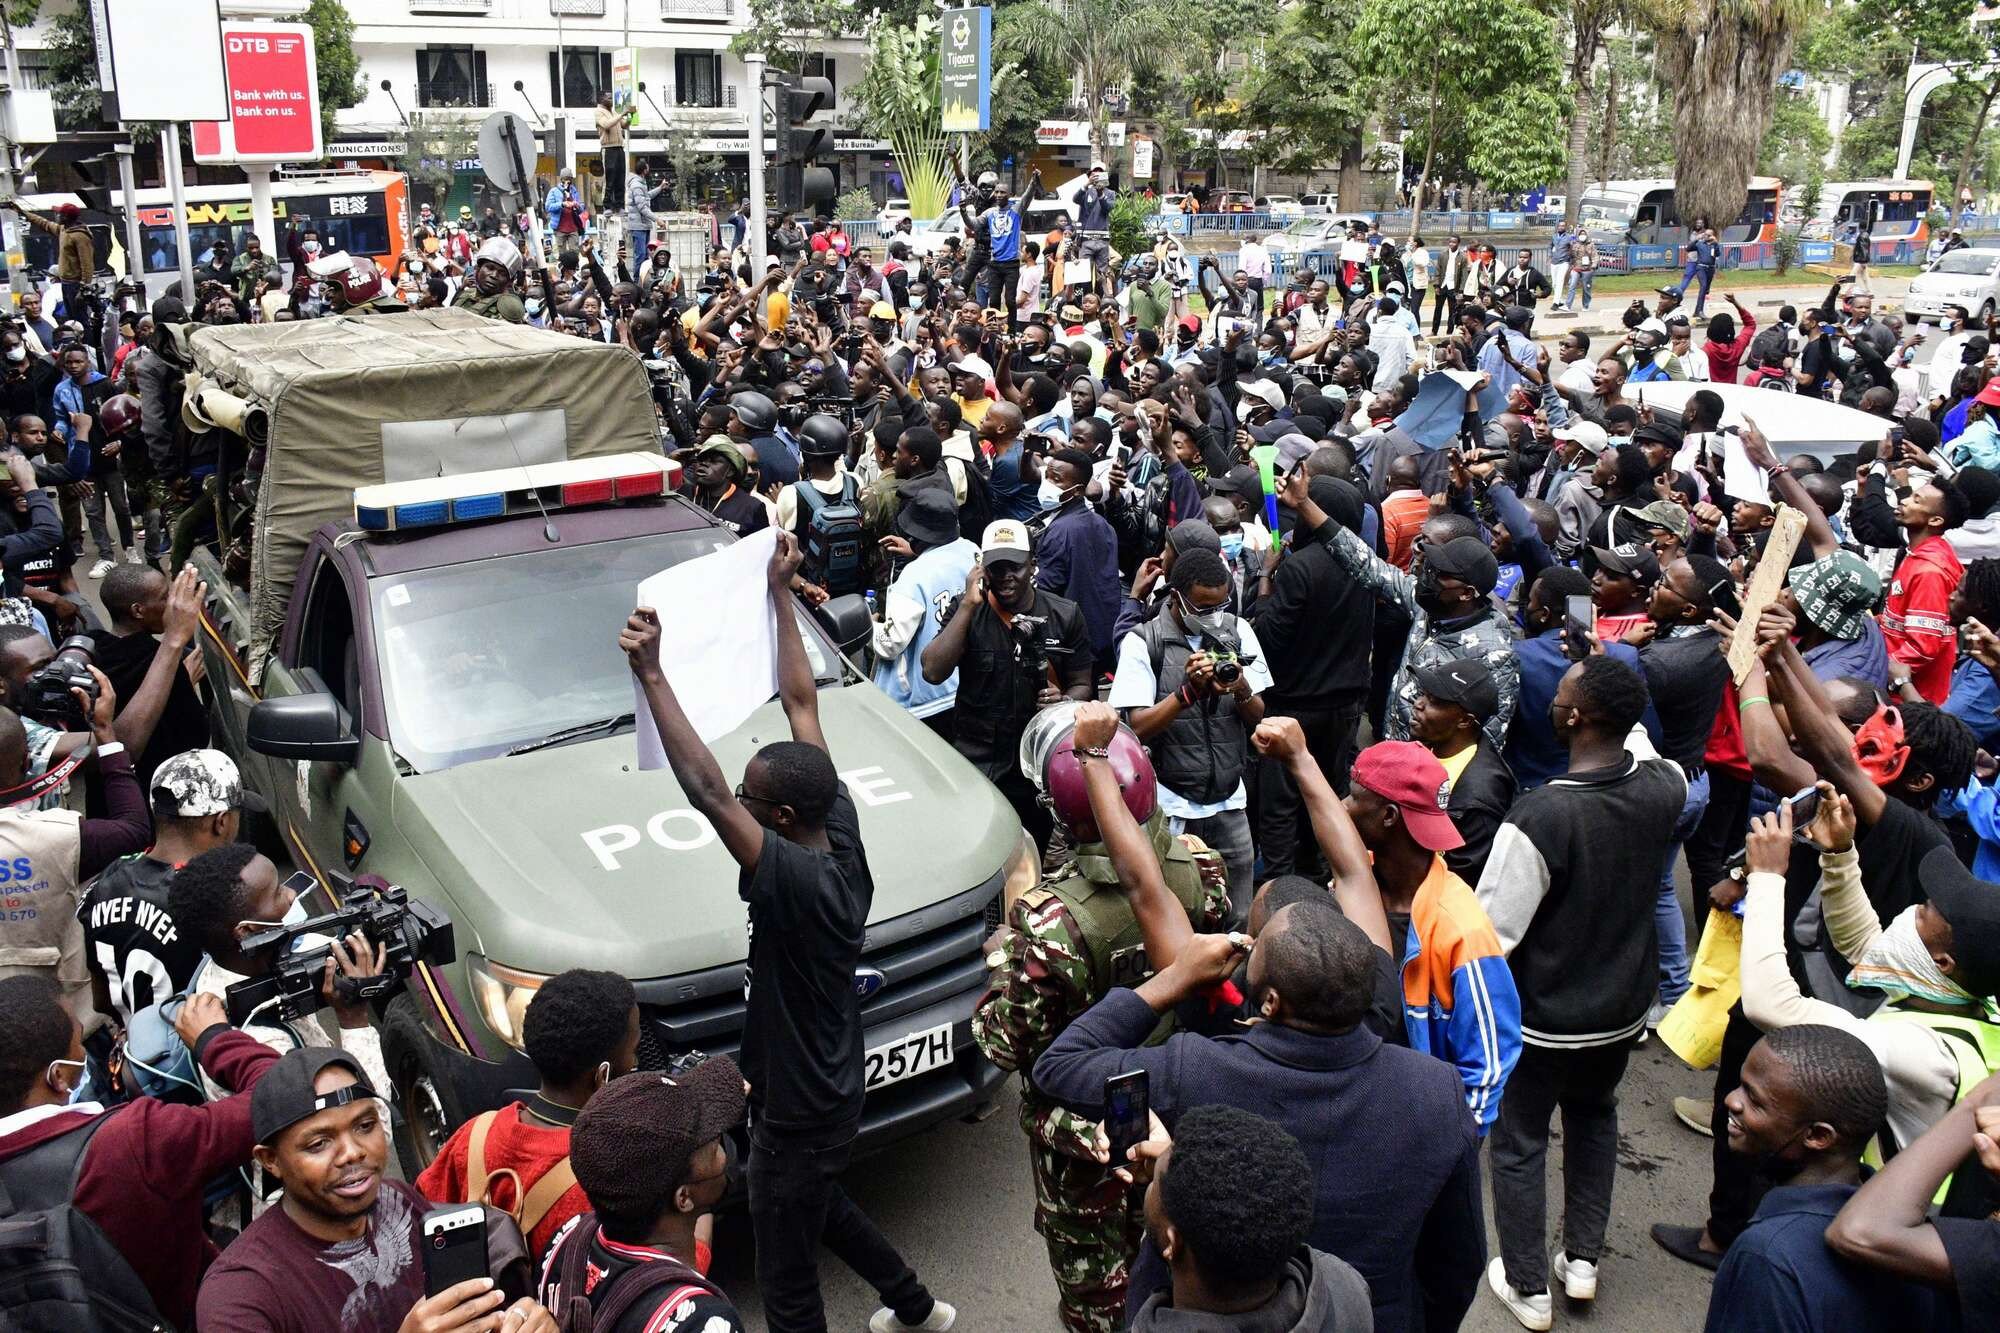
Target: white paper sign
pixel 1741 478
pixel 723 660
pixel 1353 252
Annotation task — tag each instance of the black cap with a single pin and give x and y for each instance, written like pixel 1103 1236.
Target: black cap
pixel 1192 533
pixel 1972 907
pixel 631 1144
pixel 285 1096
pixel 1465 681
pixel 928 516
pixel 1243 480
pixel 1658 432
pixel 1630 559
pixel 1466 558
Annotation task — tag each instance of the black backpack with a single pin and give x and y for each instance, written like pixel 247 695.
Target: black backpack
pixel 830 536
pixel 59 1272
pixel 567 1300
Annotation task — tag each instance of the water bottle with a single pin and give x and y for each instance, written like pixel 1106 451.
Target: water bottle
pixel 871 604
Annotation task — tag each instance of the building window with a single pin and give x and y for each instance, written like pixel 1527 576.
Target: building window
pixel 818 66
pixel 586 72
pixel 35 69
pixel 697 78
pixel 452 76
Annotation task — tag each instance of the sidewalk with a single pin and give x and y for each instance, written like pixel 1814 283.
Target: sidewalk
pixel 1606 313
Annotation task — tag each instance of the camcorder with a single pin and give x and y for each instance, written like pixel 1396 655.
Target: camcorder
pixel 45 695
pixel 407 932
pixel 833 407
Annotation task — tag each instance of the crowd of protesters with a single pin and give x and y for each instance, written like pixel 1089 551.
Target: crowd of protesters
pixel 1364 693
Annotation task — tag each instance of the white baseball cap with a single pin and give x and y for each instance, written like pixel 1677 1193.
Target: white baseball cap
pixel 1586 433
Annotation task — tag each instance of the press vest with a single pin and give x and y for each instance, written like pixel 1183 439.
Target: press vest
pixel 1203 752
pixel 40 853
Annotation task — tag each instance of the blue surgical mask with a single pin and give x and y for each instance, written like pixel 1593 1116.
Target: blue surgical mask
pixel 1232 546
pixel 1050 494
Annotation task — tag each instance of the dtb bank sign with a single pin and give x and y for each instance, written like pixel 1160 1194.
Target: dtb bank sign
pixel 273 97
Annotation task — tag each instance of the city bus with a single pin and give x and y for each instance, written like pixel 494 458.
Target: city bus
pixel 359 211
pixel 1898 213
pixel 1643 212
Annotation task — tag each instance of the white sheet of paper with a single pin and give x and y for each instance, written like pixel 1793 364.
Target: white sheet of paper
pixel 718 640
pixel 1078 273
pixel 1354 252
pixel 1741 478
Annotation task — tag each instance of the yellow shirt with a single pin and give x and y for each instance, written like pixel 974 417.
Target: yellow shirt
pixel 974 410
pixel 1455 765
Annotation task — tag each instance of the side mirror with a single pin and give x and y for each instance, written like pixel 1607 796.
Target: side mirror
pixel 303 726
pixel 845 620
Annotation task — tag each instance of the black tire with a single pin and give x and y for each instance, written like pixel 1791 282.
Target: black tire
pixel 1985 313
pixel 427 1107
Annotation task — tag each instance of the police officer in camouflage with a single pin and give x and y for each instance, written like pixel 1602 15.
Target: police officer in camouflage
pixel 1073 938
pixel 491 291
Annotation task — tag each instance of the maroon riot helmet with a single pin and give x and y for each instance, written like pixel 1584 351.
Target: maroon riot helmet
pixel 1048 761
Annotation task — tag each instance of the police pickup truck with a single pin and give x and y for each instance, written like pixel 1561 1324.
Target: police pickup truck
pixel 435 696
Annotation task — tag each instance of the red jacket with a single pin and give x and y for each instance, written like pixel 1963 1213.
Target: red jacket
pixel 1916 620
pixel 145 1172
pixel 1724 358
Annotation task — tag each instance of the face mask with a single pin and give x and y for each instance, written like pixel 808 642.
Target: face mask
pixel 1430 592
pixel 1211 622
pixel 1050 494
pixel 1232 546
pixel 1897 964
pixel 75 1093
pixel 17 354
pixel 1879 747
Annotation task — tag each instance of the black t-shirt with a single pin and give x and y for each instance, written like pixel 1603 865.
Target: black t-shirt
pixel 996 692
pixel 1974 1249
pixel 742 513
pixel 1819 360
pixel 124 914
pixel 802 1030
pixel 1685 674
pixel 183 724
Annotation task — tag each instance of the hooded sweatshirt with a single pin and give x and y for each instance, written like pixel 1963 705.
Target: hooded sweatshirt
pixel 1317 1294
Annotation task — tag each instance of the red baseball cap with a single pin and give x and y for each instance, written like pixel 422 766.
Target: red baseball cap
pixel 1990 395
pixel 1409 776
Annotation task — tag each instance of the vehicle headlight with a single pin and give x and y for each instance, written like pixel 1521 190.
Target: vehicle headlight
pixel 502 994
pixel 1023 872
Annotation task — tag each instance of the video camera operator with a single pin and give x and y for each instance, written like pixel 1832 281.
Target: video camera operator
pixel 1016 648
pixel 36 526
pixel 224 896
pixel 1188 682
pixel 52 852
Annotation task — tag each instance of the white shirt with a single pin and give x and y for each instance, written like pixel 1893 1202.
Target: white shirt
pixel 1417 263
pixel 1394 349
pixel 1577 375
pixel 1254 260
pixel 1694 362
pixel 1945 362
pixel 1135 686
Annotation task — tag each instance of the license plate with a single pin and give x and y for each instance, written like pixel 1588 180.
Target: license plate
pixel 918 1053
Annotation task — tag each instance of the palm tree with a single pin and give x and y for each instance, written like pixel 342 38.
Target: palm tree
pixel 1722 58
pixel 1588 20
pixel 1105 41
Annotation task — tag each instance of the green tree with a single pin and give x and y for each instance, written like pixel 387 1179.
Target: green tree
pixel 436 142
pixel 901 98
pixel 1945 33
pixel 1106 42
pixel 72 70
pixel 1309 96
pixel 1588 22
pixel 333 53
pixel 1722 58
pixel 1472 85
pixel 1024 95
pixel 1797 143
pixel 787 31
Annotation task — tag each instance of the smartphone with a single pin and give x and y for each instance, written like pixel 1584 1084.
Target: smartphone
pixel 1804 805
pixel 1126 1100
pixel 454 1246
pixel 1579 616
pixel 1896 435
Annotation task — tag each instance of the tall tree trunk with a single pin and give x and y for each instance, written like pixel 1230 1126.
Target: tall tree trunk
pixel 1581 54
pixel 1610 121
pixel 1350 172
pixel 1972 146
pixel 1722 59
pixel 1430 159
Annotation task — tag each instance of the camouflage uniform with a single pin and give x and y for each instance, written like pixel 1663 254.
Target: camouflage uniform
pixel 1069 941
pixel 501 305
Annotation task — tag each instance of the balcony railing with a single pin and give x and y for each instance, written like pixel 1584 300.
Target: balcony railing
pixel 714 99
pixel 435 96
pixel 577 9
pixel 451 6
pixel 697 11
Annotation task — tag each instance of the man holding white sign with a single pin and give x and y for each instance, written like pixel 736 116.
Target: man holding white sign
pixel 792 827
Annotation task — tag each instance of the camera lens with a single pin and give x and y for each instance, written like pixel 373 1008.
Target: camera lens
pixel 1228 672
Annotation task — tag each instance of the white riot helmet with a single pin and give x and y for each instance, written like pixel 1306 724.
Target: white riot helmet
pixel 499 250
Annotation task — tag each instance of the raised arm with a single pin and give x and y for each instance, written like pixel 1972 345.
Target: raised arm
pixel 1162 924
pixel 1819 532
pixel 1822 738
pixel 797 689
pixel 1354 886
pixel 693 764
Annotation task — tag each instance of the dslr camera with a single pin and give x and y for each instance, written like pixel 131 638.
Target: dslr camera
pixel 45 695
pixel 407 932
pixel 1229 658
pixel 1027 633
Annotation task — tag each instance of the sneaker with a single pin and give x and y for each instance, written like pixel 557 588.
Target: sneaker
pixel 941 1317
pixel 1579 1277
pixel 101 568
pixel 1536 1312
pixel 1697 1114
pixel 1655 1014
pixel 134 558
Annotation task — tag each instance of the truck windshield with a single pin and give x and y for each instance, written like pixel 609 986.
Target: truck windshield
pixel 479 658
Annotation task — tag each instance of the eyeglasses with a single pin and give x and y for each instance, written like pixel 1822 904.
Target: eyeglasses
pixel 743 795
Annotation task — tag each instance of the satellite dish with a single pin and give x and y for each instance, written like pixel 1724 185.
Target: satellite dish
pixel 508 164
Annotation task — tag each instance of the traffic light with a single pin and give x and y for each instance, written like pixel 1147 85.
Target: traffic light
pixel 801 183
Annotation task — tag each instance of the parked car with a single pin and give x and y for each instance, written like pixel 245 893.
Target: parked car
pixel 1173 203
pixel 894 211
pixel 1794 423
pixel 1312 233
pixel 1968 278
pixel 1279 205
pixel 1318 204
pixel 1228 201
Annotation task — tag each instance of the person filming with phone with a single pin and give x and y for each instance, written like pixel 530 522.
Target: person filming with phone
pixel 1016 648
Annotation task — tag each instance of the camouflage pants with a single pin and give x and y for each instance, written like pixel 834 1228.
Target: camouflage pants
pixel 1092 1224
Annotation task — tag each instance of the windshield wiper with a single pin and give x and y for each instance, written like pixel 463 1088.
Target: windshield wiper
pixel 605 725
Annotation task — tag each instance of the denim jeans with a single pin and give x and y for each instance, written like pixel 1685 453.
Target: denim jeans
pixel 1583 1084
pixel 796 1205
pixel 109 488
pixel 1579 282
pixel 1668 922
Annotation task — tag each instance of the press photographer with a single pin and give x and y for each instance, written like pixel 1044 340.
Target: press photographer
pixel 1015 648
pixel 222 900
pixel 59 851
pixel 1188 683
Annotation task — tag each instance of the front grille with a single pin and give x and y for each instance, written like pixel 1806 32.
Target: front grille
pixel 925 958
